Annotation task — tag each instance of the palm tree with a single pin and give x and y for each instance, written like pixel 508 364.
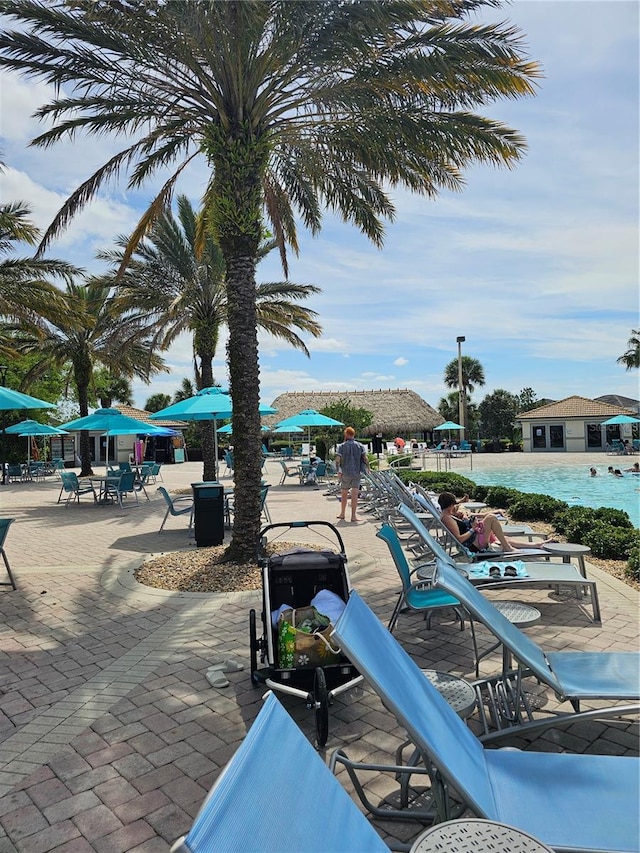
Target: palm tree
pixel 472 376
pixel 631 357
pixel 24 282
pixel 156 402
pixel 295 106
pixel 176 280
pixel 108 386
pixel 90 337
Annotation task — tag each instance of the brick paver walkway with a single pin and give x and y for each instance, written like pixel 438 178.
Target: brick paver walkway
pixel 110 734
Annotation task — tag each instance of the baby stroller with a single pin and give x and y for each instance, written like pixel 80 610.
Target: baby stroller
pixel 293 580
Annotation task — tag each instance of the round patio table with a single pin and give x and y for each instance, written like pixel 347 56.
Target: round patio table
pixel 470 835
pixel 567 550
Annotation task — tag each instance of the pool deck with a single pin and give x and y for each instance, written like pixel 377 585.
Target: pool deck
pixel 110 734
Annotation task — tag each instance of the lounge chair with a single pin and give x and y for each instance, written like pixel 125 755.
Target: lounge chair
pixel 277 794
pixel 453 545
pixel 570 802
pixel 5 524
pixel 573 676
pixel 176 506
pixel 535 574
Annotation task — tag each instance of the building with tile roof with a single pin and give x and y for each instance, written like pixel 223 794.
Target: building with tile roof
pixel 572 425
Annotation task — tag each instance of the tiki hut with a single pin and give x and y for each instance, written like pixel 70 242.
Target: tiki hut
pixel 394 412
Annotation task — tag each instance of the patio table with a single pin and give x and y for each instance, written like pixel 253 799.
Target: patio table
pixel 102 483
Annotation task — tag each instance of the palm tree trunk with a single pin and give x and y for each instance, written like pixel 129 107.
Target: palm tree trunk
pixel 207 428
pixel 244 377
pixel 239 158
pixel 82 376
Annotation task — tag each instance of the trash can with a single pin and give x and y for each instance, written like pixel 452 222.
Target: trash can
pixel 208 513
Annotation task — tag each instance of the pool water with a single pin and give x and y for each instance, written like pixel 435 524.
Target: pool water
pixel 571 484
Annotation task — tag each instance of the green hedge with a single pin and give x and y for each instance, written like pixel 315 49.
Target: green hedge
pixel 608 532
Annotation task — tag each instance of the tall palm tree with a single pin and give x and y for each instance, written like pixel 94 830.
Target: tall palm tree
pixel 631 358
pixel 295 107
pixel 90 337
pixel 108 386
pixel 472 376
pixel 176 280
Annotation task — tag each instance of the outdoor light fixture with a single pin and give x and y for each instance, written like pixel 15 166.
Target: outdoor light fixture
pixel 462 402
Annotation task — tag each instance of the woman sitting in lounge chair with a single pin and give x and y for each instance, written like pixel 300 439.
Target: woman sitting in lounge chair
pixel 476 534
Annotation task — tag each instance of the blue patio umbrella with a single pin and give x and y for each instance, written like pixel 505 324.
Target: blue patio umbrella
pixel 209 404
pixel 30 428
pixel 620 419
pixel 288 429
pixel 110 422
pixel 227 429
pixel 309 418
pixel 9 400
pixel 449 425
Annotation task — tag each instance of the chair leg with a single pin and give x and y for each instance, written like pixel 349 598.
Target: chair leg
pixel 166 515
pixel 8 568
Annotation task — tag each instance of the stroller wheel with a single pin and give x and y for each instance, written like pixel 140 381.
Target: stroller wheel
pixel 253 646
pixel 321 706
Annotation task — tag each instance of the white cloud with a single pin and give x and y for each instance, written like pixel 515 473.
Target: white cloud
pixel 401 362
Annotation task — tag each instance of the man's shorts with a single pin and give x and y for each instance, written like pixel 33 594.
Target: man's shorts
pixel 347 482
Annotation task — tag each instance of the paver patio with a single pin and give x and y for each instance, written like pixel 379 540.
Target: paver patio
pixel 110 734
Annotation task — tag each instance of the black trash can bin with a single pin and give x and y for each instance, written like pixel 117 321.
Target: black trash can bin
pixel 208 513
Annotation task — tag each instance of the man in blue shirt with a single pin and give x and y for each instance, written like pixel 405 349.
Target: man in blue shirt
pixel 351 459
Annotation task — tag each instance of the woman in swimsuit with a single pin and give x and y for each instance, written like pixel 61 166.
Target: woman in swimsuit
pixel 476 534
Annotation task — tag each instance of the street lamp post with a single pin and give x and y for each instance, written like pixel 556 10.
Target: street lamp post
pixel 462 394
pixel 3 381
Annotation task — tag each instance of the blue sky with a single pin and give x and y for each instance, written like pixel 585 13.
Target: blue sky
pixel 536 266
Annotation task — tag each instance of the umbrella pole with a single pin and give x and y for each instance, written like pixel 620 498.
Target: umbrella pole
pixel 215 446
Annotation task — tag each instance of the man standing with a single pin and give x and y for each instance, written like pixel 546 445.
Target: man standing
pixel 351 459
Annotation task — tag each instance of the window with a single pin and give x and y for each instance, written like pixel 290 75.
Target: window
pixel 594 435
pixel 556 436
pixel 540 437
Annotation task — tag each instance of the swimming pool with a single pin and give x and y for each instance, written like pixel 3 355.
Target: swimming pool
pixel 571 484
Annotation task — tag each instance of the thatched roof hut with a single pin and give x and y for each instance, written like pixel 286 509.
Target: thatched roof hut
pixel 399 412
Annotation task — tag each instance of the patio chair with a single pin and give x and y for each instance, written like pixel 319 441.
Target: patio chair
pixel 573 676
pixel 525 790
pixel 125 485
pixel 228 463
pixel 124 466
pixel 289 471
pixel 15 474
pixel 181 505
pixel 72 487
pixel 267 797
pixel 417 596
pixel 57 465
pixel 5 524
pixel 546 574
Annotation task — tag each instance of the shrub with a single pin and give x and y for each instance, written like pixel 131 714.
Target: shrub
pixel 501 496
pixel 574 522
pixel 632 569
pixel 439 481
pixel 614 517
pixel 321 449
pixel 533 507
pixel 611 543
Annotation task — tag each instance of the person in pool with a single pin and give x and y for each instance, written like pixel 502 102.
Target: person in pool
pixel 476 534
pixel 618 473
pixel 593 472
pixel 635 469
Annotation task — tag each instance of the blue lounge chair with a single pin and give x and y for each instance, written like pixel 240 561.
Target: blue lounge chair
pixel 584 803
pixel 573 676
pixel 537 574
pixel 125 485
pixel 277 794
